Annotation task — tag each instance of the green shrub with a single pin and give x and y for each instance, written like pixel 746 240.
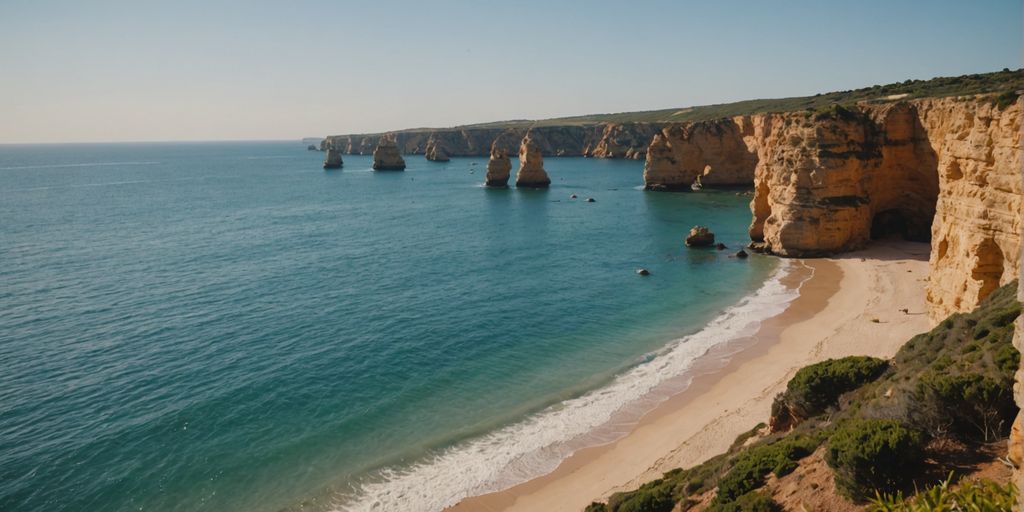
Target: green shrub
pixel 976 407
pixel 749 502
pixel 980 496
pixel 753 465
pixel 817 387
pixel 1006 99
pixel 869 455
pixel 647 500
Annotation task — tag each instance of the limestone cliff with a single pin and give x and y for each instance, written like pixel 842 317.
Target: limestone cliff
pixel 716 151
pixel 601 140
pixel 332 160
pixel 531 165
pixel 435 151
pixel 386 156
pixel 498 167
pixel 945 169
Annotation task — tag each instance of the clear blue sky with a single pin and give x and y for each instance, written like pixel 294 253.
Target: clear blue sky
pixel 214 70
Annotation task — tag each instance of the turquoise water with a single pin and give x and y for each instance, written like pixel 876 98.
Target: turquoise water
pixel 228 327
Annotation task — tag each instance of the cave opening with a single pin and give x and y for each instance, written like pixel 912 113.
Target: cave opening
pixel 901 223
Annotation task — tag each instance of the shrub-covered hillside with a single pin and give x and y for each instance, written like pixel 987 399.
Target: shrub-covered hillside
pixel 883 429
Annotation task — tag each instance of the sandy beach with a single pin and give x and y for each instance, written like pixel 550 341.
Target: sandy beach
pixel 847 306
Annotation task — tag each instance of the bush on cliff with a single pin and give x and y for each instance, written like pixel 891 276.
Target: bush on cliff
pixel 817 387
pixel 750 502
pixel 870 455
pixel 978 496
pixel 753 465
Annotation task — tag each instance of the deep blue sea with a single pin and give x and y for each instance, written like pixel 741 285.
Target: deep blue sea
pixel 228 327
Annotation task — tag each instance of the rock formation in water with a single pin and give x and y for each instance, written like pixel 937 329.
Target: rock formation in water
pixel 499 167
pixel 332 160
pixel 700 236
pixel 435 151
pixel 386 156
pixel 531 166
pixel 661 168
pixel 715 151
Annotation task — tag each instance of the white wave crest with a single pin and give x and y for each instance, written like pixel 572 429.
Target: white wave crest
pixel 536 445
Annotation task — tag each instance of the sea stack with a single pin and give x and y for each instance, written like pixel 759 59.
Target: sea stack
pixel 531 166
pixel 661 170
pixel 333 159
pixel 386 156
pixel 498 167
pixel 435 151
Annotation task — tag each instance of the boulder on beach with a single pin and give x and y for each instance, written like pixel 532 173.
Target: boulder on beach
pixel 531 165
pixel 700 236
pixel 386 156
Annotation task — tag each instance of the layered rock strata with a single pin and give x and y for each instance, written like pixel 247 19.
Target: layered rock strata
pixel 499 167
pixel 531 166
pixel 386 156
pixel 435 151
pixel 714 151
pixel 332 160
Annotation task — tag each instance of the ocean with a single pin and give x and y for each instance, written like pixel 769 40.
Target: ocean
pixel 229 327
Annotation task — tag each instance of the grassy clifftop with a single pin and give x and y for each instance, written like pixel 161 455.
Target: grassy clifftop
pixel 1004 83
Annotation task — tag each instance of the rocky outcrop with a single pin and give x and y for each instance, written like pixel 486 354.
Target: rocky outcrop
pixel 945 170
pixel 715 151
pixel 1016 444
pixel 700 236
pixel 332 160
pixel 386 156
pixel 531 165
pixel 435 151
pixel 661 168
pixel 499 167
pixel 624 140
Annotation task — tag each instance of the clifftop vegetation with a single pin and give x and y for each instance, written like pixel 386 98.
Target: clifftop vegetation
pixel 882 429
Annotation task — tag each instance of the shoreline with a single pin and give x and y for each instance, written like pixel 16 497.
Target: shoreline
pixel 846 306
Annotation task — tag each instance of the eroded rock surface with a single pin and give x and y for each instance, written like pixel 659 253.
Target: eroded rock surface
pixel 499 167
pixel 386 156
pixel 435 151
pixel 531 166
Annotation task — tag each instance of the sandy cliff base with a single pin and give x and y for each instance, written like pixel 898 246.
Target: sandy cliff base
pixel 849 306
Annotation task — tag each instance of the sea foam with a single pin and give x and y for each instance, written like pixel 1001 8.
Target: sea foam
pixel 536 445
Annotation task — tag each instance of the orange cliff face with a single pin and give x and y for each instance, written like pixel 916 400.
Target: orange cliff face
pixel 946 170
pixel 715 151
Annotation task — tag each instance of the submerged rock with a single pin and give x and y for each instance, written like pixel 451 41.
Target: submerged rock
pixel 720 246
pixel 643 272
pixel 333 159
pixel 498 167
pixel 386 156
pixel 591 200
pixel 700 236
pixel 531 166
pixel 741 254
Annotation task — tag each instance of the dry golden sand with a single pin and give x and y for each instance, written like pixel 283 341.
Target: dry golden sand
pixel 848 306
